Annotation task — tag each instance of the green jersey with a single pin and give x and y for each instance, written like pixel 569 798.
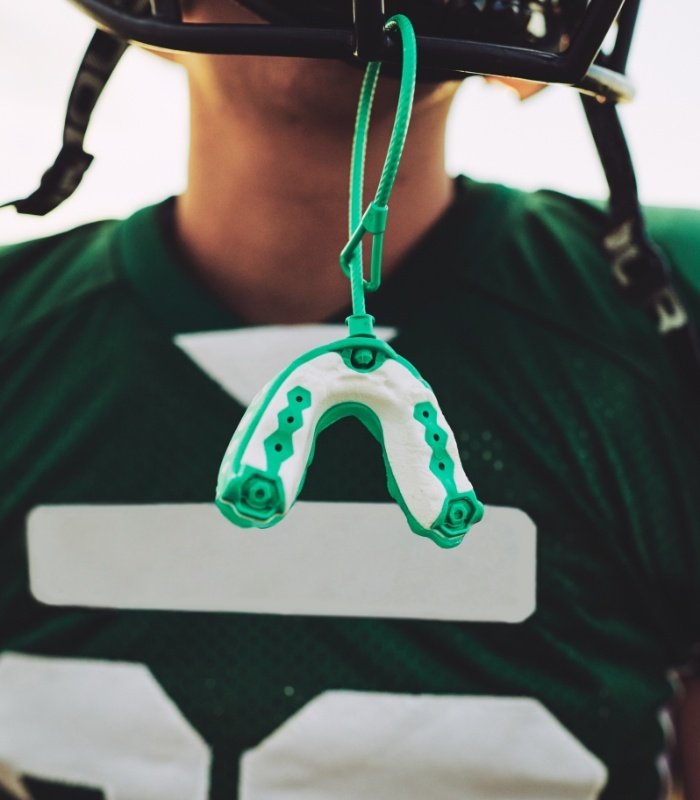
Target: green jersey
pixel 151 650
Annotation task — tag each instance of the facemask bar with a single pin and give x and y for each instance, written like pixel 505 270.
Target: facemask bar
pixel 455 56
pixel 367 41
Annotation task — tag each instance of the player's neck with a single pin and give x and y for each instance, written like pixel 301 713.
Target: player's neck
pixel 264 215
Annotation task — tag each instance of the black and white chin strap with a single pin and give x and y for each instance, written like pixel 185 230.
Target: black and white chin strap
pixel 63 176
pixel 639 268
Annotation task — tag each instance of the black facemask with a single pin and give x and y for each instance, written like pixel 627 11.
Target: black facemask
pixel 545 24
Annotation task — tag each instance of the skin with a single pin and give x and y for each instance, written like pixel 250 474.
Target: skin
pixel 688 733
pixel 263 218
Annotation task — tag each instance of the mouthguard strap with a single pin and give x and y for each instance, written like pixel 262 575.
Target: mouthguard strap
pixel 373 221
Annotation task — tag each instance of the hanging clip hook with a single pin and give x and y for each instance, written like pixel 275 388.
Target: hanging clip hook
pixel 373 222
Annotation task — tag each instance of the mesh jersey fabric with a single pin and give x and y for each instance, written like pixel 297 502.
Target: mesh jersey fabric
pixel 563 403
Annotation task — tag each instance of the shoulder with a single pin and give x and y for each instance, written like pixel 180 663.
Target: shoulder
pixel 41 278
pixel 539 254
pixel 534 261
pixel 546 218
pixel 583 223
pixel 542 251
pixel 531 228
pixel 677 232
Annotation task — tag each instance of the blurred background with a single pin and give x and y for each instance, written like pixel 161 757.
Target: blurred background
pixel 139 131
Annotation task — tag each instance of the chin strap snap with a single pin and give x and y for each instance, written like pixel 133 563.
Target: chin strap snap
pixel 265 464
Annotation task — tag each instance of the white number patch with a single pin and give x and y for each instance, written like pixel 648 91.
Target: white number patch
pixel 350 745
pixel 98 724
pixel 111 726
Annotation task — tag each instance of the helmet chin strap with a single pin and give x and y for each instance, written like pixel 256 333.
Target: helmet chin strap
pixel 63 177
pixel 639 268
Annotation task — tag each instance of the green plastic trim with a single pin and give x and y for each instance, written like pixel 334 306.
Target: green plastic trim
pixel 458 515
pixel 363 359
pixel 260 495
pixel 255 500
pixel 278 445
pixel 360 325
pixel 441 465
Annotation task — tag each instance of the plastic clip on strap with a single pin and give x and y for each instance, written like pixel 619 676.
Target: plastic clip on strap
pixel 265 464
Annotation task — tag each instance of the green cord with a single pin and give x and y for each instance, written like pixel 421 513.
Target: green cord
pixel 373 220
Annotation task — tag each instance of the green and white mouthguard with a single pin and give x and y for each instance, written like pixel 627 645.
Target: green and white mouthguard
pixel 265 465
